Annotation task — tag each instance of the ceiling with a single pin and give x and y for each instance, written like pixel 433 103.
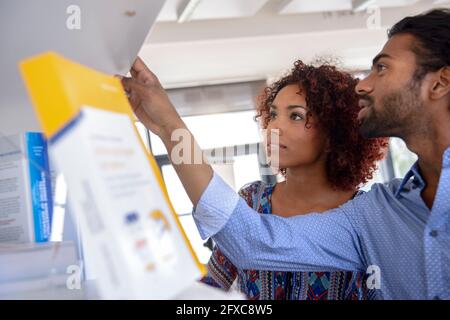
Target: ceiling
pixel 199 42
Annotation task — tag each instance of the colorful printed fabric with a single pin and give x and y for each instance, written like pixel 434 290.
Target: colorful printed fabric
pixel 273 285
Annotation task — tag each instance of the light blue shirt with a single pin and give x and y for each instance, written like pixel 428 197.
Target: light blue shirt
pixel 388 232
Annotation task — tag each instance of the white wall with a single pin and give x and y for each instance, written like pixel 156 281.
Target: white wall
pixel 17 118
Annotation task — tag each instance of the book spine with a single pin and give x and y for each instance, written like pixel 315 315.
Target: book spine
pixel 40 184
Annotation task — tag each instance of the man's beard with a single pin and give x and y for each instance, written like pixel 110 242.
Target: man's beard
pixel 397 115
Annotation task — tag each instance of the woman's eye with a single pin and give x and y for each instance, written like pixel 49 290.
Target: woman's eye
pixel 296 116
pixel 272 115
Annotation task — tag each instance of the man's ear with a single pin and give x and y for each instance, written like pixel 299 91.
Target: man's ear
pixel 441 85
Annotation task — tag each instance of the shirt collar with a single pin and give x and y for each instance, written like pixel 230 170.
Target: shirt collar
pixel 446 160
pixel 414 172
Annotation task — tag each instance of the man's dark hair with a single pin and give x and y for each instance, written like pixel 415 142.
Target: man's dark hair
pixel 432 31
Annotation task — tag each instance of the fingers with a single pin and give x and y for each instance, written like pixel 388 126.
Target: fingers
pixel 134 74
pixel 130 84
pixel 135 91
pixel 139 65
pixel 142 73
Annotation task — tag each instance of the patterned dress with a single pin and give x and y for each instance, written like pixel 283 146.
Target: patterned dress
pixel 274 285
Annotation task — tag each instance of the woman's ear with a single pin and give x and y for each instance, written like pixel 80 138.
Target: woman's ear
pixel 441 85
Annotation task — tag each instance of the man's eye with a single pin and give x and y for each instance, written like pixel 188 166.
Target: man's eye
pixel 380 67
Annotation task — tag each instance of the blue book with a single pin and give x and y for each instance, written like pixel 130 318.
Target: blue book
pixel 40 185
pixel 25 189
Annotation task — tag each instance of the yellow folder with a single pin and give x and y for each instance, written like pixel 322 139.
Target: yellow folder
pixel 65 95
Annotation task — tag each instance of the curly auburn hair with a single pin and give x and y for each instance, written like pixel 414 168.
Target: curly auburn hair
pixel 331 97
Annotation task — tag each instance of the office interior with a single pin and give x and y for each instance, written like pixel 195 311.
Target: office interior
pixel 214 57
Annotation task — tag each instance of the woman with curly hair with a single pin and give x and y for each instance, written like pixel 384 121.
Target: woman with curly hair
pixel 323 159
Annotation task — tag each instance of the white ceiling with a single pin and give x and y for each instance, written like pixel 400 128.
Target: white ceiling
pixel 207 9
pixel 301 6
pixel 237 40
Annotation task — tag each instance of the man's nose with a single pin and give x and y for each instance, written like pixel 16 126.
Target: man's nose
pixel 364 86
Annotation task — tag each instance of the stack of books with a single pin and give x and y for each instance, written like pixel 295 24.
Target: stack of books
pixel 25 189
pixel 28 260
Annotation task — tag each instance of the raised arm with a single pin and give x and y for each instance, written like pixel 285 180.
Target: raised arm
pixel 152 106
pixel 250 240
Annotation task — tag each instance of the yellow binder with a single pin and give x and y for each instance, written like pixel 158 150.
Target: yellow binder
pixel 129 226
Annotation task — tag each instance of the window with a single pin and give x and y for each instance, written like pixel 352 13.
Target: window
pixel 217 130
pixel 180 200
pixel 203 253
pixel 402 158
pixel 143 132
pixel 214 132
pixel 233 130
pixel 379 176
pixel 395 165
pixel 245 169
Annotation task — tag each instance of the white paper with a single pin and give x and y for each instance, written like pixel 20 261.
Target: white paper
pixel 131 237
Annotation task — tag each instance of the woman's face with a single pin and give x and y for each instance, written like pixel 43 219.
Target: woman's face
pixel 299 145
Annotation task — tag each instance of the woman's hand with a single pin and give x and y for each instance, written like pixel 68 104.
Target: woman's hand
pixel 150 102
pixel 152 106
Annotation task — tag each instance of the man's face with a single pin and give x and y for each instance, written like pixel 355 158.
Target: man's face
pixel 390 96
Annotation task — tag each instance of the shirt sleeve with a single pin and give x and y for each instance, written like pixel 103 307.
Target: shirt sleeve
pixel 312 242
pixel 214 209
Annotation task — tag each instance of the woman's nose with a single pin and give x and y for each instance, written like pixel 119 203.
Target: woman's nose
pixel 273 134
pixel 276 125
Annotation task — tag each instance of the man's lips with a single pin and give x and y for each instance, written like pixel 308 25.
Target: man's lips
pixel 365 103
pixel 365 106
